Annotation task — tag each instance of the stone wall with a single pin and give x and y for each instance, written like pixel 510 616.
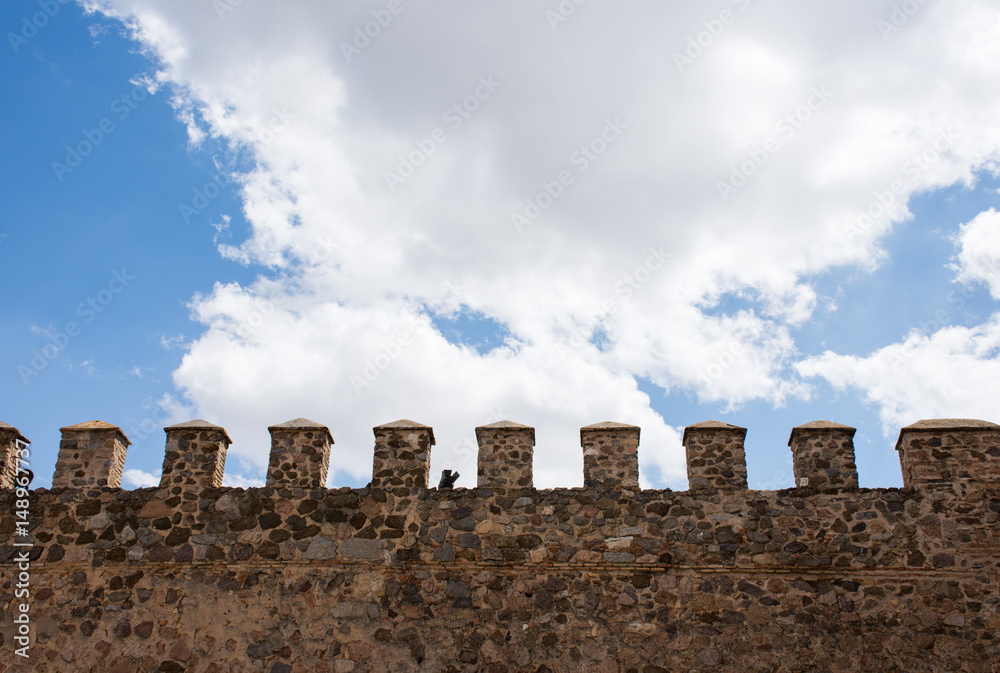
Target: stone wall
pixel 504 577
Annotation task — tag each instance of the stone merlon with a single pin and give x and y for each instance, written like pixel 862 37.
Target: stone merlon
pixel 823 455
pixel 505 455
pixel 91 455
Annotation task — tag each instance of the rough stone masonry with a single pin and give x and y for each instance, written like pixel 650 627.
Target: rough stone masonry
pixel 608 578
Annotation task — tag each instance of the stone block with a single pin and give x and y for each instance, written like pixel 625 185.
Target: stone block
pixel 610 455
pixel 949 451
pixel 402 460
pixel 716 459
pixel 300 454
pixel 506 451
pixel 11 444
pixel 91 455
pixel 195 457
pixel 823 455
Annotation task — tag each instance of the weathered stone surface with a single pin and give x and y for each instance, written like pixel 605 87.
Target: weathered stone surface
pixel 369 550
pixel 91 455
pixel 823 455
pixel 505 455
pixel 402 456
pixel 600 578
pixel 320 548
pixel 195 457
pixel 300 454
pixel 12 447
pixel 715 456
pixel 610 455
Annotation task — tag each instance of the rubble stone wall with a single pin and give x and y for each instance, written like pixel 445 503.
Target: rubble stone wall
pixel 607 578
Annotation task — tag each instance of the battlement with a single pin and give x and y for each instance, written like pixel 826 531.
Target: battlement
pixel 610 520
pixel 402 572
pixel 932 453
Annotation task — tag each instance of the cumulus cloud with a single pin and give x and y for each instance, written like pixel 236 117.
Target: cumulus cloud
pixel 139 479
pixel 979 251
pixel 952 373
pixel 600 198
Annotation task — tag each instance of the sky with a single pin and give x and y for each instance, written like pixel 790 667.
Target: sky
pixel 763 212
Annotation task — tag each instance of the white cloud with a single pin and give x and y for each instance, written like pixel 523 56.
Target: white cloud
pixel 952 373
pixel 241 481
pixel 171 342
pixel 354 263
pixel 979 253
pixel 138 479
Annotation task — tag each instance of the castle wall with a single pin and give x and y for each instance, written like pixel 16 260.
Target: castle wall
pixel 608 577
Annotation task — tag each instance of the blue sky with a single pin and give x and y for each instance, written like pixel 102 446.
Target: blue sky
pixel 201 223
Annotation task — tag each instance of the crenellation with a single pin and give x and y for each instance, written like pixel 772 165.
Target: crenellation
pixel 505 455
pixel 11 441
pixel 945 452
pixel 610 455
pixel 300 454
pixel 402 460
pixel 506 577
pixel 823 455
pixel 91 455
pixel 716 459
pixel 195 457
